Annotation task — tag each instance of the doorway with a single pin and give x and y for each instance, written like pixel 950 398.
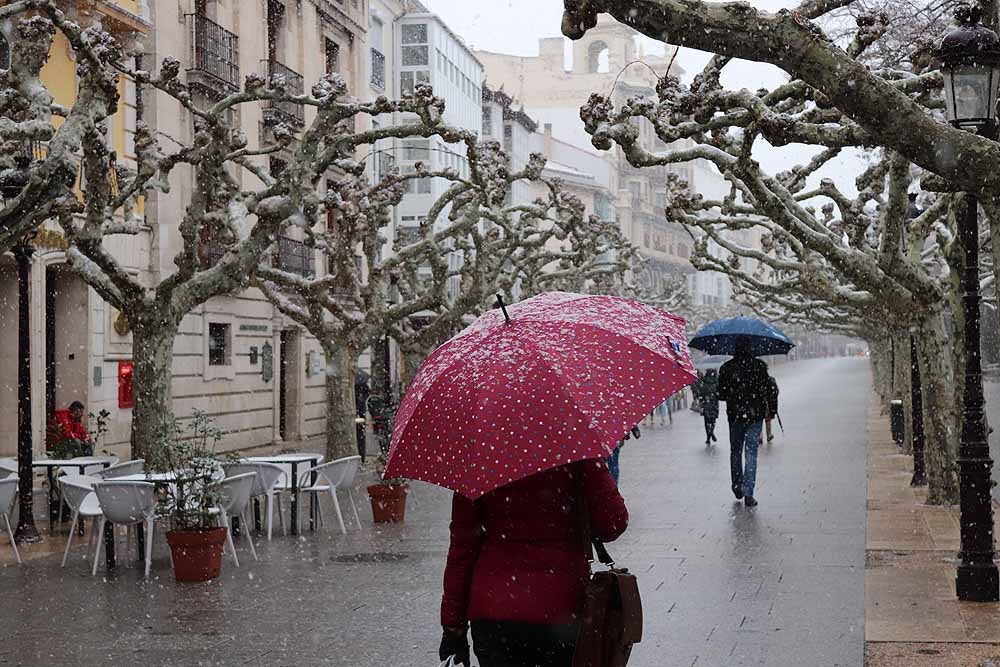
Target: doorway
pixel 289 389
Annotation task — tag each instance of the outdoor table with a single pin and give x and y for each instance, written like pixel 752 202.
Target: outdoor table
pixel 81 464
pixel 157 478
pixel 294 460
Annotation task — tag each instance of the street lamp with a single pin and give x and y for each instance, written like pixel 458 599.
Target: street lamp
pixel 12 182
pixel 970 57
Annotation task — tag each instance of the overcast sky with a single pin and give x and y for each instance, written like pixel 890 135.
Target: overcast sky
pixel 515 26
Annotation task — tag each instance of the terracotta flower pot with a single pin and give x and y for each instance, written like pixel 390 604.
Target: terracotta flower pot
pixel 388 502
pixel 197 554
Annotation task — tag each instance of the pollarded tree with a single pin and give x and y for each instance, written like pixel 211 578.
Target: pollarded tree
pixel 349 310
pixel 227 228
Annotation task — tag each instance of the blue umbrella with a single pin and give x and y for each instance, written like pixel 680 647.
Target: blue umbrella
pixel 719 337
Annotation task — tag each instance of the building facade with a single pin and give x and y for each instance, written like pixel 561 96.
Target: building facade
pixel 66 319
pixel 255 372
pixel 604 61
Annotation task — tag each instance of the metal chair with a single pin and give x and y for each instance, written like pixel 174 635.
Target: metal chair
pixel 267 483
pixel 234 495
pixel 126 504
pixel 339 474
pixel 121 469
pixel 78 492
pixel 8 492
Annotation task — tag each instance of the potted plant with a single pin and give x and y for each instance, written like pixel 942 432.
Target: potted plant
pixel 388 496
pixel 190 501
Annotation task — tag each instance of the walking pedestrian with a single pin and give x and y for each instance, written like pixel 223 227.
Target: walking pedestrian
pixel 517 566
pixel 708 390
pixel 743 386
pixel 772 406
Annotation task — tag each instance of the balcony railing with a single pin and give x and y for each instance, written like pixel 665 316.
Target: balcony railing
pixel 289 112
pixel 295 257
pixel 378 69
pixel 215 54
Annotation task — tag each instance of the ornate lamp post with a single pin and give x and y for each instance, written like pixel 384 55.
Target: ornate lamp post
pixel 12 181
pixel 970 57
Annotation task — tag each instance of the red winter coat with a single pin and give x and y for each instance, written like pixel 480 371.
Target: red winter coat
pixel 517 553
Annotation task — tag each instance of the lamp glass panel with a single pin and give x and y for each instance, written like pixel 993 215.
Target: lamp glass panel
pixel 971 89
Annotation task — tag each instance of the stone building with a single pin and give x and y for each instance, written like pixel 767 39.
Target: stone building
pixel 605 61
pixel 73 355
pixel 254 371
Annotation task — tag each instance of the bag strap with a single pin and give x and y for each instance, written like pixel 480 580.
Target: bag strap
pixel 591 545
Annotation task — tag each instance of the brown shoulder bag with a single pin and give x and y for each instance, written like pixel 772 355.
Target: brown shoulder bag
pixel 611 619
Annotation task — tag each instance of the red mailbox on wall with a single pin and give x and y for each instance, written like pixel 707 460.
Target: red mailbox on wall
pixel 125 398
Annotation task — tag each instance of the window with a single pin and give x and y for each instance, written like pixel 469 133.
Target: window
pixel 415 56
pixel 414 33
pixel 375 33
pixel 487 121
pixel 219 344
pixel 409 80
pixel 508 138
pixel 332 50
pixel 416 149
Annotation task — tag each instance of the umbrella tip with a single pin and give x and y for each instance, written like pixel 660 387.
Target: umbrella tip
pixel 503 307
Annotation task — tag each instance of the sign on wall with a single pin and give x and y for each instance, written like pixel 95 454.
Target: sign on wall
pixel 267 362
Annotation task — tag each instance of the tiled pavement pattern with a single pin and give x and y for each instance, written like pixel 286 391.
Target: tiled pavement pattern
pixel 780 585
pixel 912 616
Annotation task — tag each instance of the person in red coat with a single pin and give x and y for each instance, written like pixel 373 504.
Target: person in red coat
pixel 518 566
pixel 68 425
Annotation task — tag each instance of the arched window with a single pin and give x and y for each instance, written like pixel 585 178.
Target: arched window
pixel 597 58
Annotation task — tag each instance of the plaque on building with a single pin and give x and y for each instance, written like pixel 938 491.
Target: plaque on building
pixel 267 362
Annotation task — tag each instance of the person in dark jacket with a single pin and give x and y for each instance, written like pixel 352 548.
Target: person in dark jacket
pixel 708 391
pixel 518 566
pixel 743 386
pixel 361 393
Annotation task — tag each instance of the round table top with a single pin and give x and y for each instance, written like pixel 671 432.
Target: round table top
pixel 295 457
pixel 80 462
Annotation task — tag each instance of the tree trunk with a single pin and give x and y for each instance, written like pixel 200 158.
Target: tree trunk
pixel 413 357
pixel 941 418
pixel 902 384
pixel 152 375
pixel 341 411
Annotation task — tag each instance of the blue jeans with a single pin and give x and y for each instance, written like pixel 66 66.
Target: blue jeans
pixel 744 436
pixel 612 462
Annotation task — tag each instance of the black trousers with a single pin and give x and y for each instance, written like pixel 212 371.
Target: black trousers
pixel 510 644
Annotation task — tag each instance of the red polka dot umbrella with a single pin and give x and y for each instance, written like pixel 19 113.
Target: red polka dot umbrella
pixel 564 380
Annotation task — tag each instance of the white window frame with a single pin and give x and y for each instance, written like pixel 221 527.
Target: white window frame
pixel 227 371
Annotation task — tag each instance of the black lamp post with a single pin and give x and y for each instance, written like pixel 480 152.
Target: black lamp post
pixel 12 181
pixel 970 57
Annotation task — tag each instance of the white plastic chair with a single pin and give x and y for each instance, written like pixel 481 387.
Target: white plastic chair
pixel 121 469
pixel 8 466
pixel 78 492
pixel 126 504
pixel 339 474
pixel 8 492
pixel 234 495
pixel 269 482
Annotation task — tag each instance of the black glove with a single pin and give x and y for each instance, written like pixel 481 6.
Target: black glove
pixel 454 643
pixel 635 432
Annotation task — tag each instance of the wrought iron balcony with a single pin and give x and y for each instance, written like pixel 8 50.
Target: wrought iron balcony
pixel 378 69
pixel 295 257
pixel 288 112
pixel 215 56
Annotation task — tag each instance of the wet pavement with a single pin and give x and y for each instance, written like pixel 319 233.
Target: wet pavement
pixel 779 585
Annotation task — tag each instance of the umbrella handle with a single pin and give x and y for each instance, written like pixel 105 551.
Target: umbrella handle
pixel 503 308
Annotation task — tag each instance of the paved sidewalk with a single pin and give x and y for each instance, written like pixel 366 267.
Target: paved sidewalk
pixel 912 617
pixel 723 586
